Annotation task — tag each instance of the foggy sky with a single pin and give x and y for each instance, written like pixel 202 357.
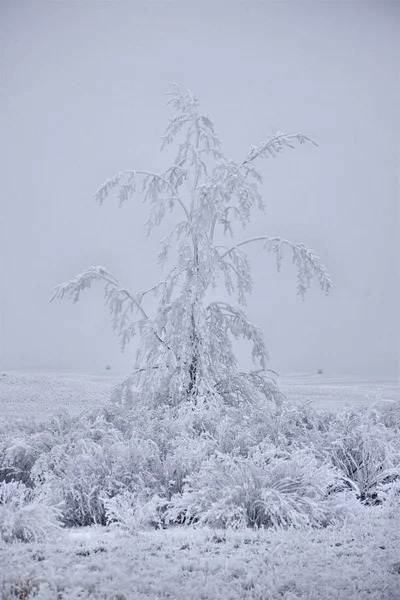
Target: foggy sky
pixel 82 89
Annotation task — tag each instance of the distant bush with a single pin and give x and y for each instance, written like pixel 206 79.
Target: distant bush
pixel 320 372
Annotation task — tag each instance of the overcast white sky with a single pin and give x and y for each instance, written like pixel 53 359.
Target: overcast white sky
pixel 82 96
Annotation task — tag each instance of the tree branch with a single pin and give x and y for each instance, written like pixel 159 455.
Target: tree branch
pixel 103 191
pixel 76 285
pixel 276 144
pixel 307 262
pixel 255 239
pixel 174 193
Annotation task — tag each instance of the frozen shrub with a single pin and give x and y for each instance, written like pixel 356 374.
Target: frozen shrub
pixel 81 472
pixel 362 443
pixel 239 429
pixel 390 413
pixel 257 464
pixel 132 511
pixel 185 458
pixel 365 450
pixel 297 425
pixel 388 494
pixel 267 488
pixel 22 517
pixel 23 445
pixel 17 457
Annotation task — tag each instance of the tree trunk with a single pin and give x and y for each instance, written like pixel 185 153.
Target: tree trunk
pixel 193 366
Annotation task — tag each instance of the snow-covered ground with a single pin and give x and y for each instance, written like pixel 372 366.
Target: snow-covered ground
pixel 339 391
pixel 359 561
pixel 356 562
pixel 39 394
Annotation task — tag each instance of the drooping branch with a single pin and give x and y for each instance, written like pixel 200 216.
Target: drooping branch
pixel 129 188
pixel 228 189
pixel 235 321
pixel 244 385
pixel 229 182
pixel 239 264
pixel 276 145
pixel 305 259
pixel 115 295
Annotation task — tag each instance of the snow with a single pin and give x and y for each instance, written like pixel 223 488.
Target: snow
pixel 338 392
pixel 39 394
pixel 358 561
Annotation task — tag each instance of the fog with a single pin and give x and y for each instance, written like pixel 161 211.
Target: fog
pixel 83 96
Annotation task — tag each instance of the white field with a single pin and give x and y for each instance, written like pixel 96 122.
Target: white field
pixel 356 561
pixel 39 394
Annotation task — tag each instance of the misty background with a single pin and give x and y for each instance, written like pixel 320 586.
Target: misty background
pixel 82 96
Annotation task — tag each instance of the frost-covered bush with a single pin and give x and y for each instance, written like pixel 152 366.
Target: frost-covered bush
pixel 267 488
pixel 259 464
pixel 300 425
pixel 84 469
pixel 388 494
pixel 17 457
pixel 363 444
pixel 132 511
pixel 22 445
pixel 390 413
pixel 365 450
pixel 23 517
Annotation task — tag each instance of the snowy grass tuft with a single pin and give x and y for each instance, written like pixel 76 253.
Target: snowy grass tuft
pixel 23 518
pixel 266 488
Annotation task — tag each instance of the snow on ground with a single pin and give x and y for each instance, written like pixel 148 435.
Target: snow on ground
pixel 338 392
pixel 39 394
pixel 357 562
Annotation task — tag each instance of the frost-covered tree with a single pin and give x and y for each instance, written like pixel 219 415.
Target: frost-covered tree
pixel 185 352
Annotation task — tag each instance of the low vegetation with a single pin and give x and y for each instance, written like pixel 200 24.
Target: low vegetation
pixel 258 466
